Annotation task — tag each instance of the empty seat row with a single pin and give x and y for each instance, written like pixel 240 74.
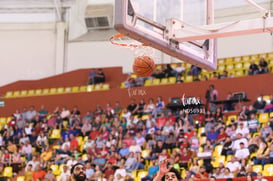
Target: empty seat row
pixel 56 90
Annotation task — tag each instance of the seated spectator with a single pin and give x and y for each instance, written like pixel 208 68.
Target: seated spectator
pixel 202 174
pixel 253 69
pixel 65 174
pixel 179 70
pixel 212 135
pixel 214 76
pixel 168 71
pixel 263 156
pixel 242 153
pixel 259 104
pixel 224 75
pixel 233 165
pixel 179 79
pixel 229 106
pixel 253 124
pixel 159 106
pixel 260 177
pixel 227 174
pixel 96 77
pixel 263 66
pixel 49 176
pixel 158 74
pixel 266 130
pixel 38 174
pixel 244 130
pixel 236 143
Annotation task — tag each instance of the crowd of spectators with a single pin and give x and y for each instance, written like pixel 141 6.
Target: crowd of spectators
pixel 112 141
pixel 180 71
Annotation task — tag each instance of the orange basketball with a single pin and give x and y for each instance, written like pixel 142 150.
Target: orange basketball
pixel 143 66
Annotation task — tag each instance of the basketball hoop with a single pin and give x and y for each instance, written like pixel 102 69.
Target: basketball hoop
pixel 139 49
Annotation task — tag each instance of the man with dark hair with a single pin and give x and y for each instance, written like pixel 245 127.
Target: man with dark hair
pixel 78 172
pixel 166 174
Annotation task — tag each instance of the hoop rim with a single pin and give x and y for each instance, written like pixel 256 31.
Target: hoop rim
pixel 123 44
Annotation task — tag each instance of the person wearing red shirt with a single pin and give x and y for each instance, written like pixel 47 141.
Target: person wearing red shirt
pixel 108 170
pixel 202 174
pixel 184 158
pixel 221 136
pixel 94 133
pixel 73 143
pixel 38 174
pixel 189 134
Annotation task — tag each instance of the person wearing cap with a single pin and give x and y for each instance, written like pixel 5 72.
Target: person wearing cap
pixel 78 172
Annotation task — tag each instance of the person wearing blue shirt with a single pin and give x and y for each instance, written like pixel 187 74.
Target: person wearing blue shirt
pixel 124 151
pixel 212 135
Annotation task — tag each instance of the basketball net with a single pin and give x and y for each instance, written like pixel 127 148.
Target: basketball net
pixel 138 48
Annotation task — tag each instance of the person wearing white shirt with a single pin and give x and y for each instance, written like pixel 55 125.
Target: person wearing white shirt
pixel 65 174
pixel 236 143
pixel 233 165
pixel 260 177
pixel 120 173
pixel 243 130
pixel 134 147
pixel 242 153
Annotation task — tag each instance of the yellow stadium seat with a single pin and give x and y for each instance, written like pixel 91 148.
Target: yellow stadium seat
pixel 271 114
pixel 266 98
pixel 7 172
pixel 20 178
pixel 55 169
pixel 229 157
pixel 262 55
pixel 45 91
pixel 200 131
pixel 122 85
pixel 239 73
pixel 238 66
pixel 230 67
pixel 254 57
pixel 245 58
pixel 56 134
pixel 89 88
pixel 16 94
pixel 23 93
pixel 134 174
pixel 105 87
pixel 83 88
pixel 60 90
pixel 84 157
pixel 156 81
pixel 202 140
pixel 237 59
pixel 53 90
pixel 56 147
pixel 141 174
pixel 268 170
pixel 263 117
pixel 218 150
pixel 164 81
pixel 246 65
pixel 172 80
pixel 148 82
pixel 188 78
pixel 37 92
pixel 145 116
pixel 31 92
pixel 220 61
pixel 257 168
pixel 231 117
pixel 228 60
pixel 270 56
pixel 3 120
pixel 68 90
pixel 145 153
pixel 97 87
pixel 9 94
pixel 80 140
pixel 218 160
pixel 221 68
pixel 75 89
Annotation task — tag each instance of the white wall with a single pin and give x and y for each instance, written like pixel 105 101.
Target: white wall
pixel 29 51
